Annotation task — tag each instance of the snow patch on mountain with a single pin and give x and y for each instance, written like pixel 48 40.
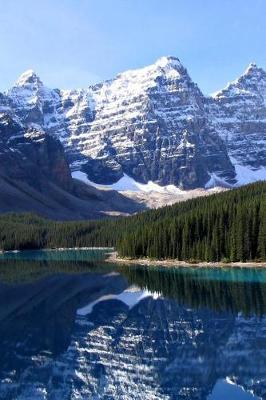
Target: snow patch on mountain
pixel 126 183
pixel 227 389
pixel 216 181
pixel 245 175
pixel 129 297
pixel 152 194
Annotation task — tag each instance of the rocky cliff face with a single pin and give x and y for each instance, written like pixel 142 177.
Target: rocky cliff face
pixel 153 124
pixel 31 155
pixel 239 116
pixel 35 176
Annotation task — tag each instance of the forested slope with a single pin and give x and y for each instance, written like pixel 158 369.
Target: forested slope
pixel 229 226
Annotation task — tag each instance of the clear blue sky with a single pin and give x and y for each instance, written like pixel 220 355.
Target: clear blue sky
pixel 73 43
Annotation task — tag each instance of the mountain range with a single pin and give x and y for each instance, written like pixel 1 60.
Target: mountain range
pixel 149 125
pixel 99 337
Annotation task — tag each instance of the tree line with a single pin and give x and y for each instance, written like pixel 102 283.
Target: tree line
pixel 203 288
pixel 229 226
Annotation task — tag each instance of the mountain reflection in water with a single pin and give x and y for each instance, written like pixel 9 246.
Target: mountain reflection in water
pixel 74 327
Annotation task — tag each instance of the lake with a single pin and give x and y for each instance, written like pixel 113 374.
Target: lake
pixel 75 327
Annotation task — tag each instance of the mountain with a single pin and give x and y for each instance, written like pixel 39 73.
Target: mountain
pixel 35 176
pixel 152 124
pixel 101 338
pixel 239 116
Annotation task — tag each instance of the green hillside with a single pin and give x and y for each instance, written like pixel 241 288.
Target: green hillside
pixel 229 226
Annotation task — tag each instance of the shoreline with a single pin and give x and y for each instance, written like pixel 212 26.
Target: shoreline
pixel 113 258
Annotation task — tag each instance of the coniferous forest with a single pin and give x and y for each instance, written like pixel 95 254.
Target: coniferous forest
pixel 229 227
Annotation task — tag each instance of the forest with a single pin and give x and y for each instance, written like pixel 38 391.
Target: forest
pixel 228 227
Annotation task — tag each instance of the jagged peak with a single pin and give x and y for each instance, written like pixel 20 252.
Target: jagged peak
pixel 168 61
pixel 251 67
pixel 253 76
pixel 28 77
pixel 253 70
pixel 168 65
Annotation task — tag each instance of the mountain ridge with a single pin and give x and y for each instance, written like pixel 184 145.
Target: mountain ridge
pixel 152 124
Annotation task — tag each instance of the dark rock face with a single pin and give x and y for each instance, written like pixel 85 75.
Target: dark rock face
pixel 152 124
pixel 31 155
pixel 103 171
pixel 35 176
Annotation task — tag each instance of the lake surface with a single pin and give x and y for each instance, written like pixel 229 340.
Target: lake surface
pixel 75 327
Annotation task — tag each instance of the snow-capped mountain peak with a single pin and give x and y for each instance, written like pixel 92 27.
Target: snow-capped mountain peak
pixel 152 124
pixel 31 101
pixel 169 62
pixel 251 67
pixel 28 78
pixel 251 82
pixel 254 70
pixel 254 78
pixel 171 67
pixel 167 67
pixel 239 116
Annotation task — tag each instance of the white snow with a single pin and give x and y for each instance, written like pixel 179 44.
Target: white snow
pixel 129 297
pixel 228 389
pixel 126 183
pixel 245 175
pixel 25 76
pixel 141 79
pixel 216 181
pixel 151 194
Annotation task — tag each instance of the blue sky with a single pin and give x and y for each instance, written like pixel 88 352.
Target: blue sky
pixel 73 43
